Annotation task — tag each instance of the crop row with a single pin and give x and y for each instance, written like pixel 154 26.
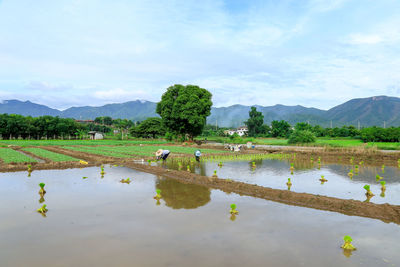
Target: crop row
pixel 25 143
pixel 9 155
pixel 97 151
pixel 43 153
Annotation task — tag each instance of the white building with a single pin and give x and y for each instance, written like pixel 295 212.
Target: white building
pixel 241 131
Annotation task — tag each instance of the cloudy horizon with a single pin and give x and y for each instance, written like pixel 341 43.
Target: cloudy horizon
pixel 314 53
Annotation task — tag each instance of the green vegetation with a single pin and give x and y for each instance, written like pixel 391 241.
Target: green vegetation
pixel 347 243
pixel 215 174
pixel 368 193
pixel 126 181
pixel 149 128
pixel 255 122
pixel 25 143
pixel 158 194
pixel 9 155
pixel 383 185
pixel 289 183
pixel 97 151
pixel 42 191
pixel 301 137
pixel 184 110
pixel 323 180
pixel 233 210
pixel 43 153
pixel 42 209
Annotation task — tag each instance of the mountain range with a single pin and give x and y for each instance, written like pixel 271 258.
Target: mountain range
pixel 377 110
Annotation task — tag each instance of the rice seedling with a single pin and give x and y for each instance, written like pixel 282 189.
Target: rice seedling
pixel 41 199
pixel 42 209
pixel 319 161
pixel 383 168
pixel 361 163
pixel 188 168
pixel 102 172
pixel 350 174
pixel 323 180
pixel 253 164
pixel 233 217
pixel 215 174
pixel 383 186
pixel 233 209
pixel 291 168
pixel 347 243
pixel 220 164
pixel 149 161
pixel 289 183
pixel 126 181
pixel 312 160
pixel 158 194
pixel 84 177
pixel 351 160
pixel 368 193
pixel 378 177
pixel 42 191
pixel 356 169
pixel 29 168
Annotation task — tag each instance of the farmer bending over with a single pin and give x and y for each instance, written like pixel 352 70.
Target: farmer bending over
pixel 162 154
pixel 197 154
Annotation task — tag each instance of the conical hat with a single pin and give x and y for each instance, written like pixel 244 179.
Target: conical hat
pixel 159 152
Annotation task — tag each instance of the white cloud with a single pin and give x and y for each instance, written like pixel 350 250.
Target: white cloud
pixel 365 39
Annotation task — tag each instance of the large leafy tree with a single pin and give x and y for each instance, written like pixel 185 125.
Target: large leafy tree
pixel 184 109
pixel 151 127
pixel 280 128
pixel 255 122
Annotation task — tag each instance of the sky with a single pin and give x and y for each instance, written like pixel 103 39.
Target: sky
pixel 315 53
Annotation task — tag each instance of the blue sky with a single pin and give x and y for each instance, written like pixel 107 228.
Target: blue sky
pixel 316 53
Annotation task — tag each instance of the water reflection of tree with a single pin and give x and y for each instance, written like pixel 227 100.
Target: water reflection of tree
pixel 183 196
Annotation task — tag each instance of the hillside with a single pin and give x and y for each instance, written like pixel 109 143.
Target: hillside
pixel 368 111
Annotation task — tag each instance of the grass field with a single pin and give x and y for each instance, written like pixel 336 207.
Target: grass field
pixel 43 153
pixel 97 151
pixel 9 155
pixel 24 143
pixel 129 151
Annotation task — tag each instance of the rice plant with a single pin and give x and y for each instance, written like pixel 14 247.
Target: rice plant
pixel 233 209
pixel 347 243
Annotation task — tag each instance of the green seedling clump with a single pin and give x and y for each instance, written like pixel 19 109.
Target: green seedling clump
pixel 368 193
pixel 158 194
pixel 351 160
pixel 289 183
pixel 323 180
pixel 42 191
pixel 84 177
pixel 233 210
pixel 347 243
pixel 350 174
pixel 126 181
pixel 29 168
pixel 42 209
pixel 220 164
pixel 253 164
pixel 383 185
pixel 378 177
pixel 215 174
pixel 188 168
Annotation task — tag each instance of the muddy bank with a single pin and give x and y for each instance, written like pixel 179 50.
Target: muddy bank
pixel 385 212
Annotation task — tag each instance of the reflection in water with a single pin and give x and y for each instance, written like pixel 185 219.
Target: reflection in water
pixel 347 253
pixel 41 200
pixel 368 197
pixel 183 196
pixel 233 217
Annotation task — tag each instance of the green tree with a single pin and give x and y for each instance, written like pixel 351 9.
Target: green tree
pixel 255 122
pixel 151 127
pixel 184 109
pixel 299 136
pixel 280 128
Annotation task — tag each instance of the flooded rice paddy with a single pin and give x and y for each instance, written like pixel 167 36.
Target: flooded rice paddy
pixel 101 222
pixel 305 178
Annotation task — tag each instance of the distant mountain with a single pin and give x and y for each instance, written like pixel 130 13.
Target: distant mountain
pixel 368 111
pixel 26 108
pixel 135 110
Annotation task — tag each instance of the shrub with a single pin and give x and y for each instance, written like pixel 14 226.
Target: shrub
pixel 299 136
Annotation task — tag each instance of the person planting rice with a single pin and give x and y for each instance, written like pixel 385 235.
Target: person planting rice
pixel 162 154
pixel 197 154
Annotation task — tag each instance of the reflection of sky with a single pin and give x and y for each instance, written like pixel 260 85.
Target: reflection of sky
pixel 274 174
pixel 101 222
